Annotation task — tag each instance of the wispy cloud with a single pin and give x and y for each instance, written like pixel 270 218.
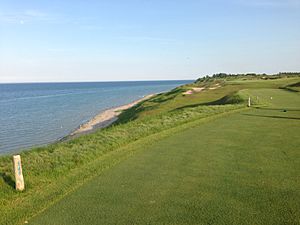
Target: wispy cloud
pixel 27 16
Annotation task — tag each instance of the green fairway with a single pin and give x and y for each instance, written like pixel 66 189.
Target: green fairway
pixel 242 168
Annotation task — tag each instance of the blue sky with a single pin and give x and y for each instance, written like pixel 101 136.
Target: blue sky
pixel 146 40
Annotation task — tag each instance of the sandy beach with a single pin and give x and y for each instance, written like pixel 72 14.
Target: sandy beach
pixel 105 118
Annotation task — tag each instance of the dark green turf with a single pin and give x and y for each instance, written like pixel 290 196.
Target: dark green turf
pixel 239 169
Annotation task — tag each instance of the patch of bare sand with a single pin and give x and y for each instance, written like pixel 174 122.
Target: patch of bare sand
pixel 194 90
pixel 106 117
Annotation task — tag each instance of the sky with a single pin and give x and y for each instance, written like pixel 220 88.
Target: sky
pixel 97 40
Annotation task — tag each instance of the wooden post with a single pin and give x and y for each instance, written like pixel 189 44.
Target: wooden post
pixel 20 186
pixel 249 102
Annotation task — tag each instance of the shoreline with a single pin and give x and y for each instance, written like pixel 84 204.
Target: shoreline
pixel 104 119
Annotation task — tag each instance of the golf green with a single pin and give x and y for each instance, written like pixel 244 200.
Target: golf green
pixel 239 169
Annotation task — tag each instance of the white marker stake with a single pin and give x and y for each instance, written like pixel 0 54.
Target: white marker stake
pixel 18 173
pixel 249 102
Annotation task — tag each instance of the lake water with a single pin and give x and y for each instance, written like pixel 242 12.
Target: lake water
pixel 41 113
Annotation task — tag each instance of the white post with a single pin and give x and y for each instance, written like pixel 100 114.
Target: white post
pixel 249 102
pixel 20 186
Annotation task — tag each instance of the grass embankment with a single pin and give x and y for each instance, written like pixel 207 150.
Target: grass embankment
pixel 226 94
pixel 53 171
pixel 239 169
pixel 293 87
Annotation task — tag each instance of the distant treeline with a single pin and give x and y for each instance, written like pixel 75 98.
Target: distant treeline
pixel 248 76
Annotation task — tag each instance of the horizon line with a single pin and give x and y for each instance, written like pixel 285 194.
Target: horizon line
pixel 95 81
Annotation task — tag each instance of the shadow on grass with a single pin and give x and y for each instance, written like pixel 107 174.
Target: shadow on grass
pixel 291 86
pixel 217 102
pixel 8 179
pixel 166 96
pixel 161 99
pixel 133 112
pixel 278 109
pixel 289 89
pixel 193 106
pixel 228 99
pixel 274 117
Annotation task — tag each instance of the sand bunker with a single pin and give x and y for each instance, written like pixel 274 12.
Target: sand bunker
pixel 194 90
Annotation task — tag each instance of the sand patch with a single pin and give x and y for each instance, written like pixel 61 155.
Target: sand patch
pixel 106 117
pixel 198 89
pixel 194 90
pixel 189 92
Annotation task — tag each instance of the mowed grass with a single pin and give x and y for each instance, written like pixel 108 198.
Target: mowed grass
pixel 242 168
